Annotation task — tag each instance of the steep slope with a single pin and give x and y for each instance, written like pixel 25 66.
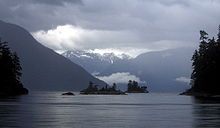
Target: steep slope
pixel 43 69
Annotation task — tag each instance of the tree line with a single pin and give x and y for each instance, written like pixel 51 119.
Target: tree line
pixel 205 77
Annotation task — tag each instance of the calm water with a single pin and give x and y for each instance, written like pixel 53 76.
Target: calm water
pixel 50 109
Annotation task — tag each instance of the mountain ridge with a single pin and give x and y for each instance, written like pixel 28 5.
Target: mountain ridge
pixel 43 69
pixel 161 70
pixel 91 61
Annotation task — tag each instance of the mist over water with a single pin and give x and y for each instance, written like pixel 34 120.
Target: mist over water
pixel 50 109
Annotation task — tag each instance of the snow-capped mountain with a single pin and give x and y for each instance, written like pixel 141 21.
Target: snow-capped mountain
pixel 94 62
pixel 161 70
pixel 107 57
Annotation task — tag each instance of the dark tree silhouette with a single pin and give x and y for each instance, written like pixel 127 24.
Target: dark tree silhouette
pixel 205 77
pixel 133 87
pixel 107 90
pixel 10 72
pixel 218 36
pixel 114 86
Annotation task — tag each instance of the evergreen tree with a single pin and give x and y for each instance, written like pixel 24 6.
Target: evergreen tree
pixel 206 65
pixel 130 84
pixel 133 87
pixel 218 35
pixel 114 86
pixel 10 72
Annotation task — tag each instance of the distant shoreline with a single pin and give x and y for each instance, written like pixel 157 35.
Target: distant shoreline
pixel 200 94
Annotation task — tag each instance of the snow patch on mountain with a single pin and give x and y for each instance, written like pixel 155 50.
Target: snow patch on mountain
pixel 89 54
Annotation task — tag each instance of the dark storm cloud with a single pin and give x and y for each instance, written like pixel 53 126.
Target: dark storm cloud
pixel 115 23
pixel 35 14
pixel 48 2
pixel 57 2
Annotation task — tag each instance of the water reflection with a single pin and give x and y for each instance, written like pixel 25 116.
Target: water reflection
pixel 206 112
pixel 51 109
pixel 8 109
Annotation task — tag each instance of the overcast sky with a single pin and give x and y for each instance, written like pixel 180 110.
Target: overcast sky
pixel 122 25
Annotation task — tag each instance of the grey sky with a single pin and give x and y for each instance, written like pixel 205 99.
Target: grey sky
pixel 140 24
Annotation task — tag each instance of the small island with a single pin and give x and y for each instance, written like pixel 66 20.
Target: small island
pixel 68 94
pixel 133 87
pixel 107 90
pixel 206 68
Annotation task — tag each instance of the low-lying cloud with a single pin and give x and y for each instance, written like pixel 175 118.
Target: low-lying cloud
pixel 120 77
pixel 183 79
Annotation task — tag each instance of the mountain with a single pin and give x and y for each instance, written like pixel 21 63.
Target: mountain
pixel 94 63
pixel 163 71
pixel 43 69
